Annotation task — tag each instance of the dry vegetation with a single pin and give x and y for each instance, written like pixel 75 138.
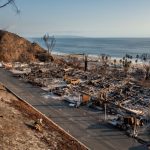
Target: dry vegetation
pixel 15 132
pixel 14 48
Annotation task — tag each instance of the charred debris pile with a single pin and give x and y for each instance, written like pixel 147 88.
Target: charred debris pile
pixel 97 86
pixel 102 84
pixel 81 80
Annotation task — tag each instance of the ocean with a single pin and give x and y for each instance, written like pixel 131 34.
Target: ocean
pixel 115 47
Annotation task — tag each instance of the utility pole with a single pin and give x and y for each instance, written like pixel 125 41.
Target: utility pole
pixel 85 62
pixel 105 107
pixel 105 104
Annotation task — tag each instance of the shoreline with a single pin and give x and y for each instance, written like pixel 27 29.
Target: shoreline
pixel 97 58
pixel 115 48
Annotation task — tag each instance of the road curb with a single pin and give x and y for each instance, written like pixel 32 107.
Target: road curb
pixel 44 116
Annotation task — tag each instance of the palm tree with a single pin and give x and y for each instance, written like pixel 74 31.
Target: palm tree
pixel 115 61
pixel 147 71
pixel 120 61
pixel 137 56
pixel 146 65
pixel 126 65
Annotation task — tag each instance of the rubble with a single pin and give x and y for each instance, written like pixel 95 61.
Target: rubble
pixel 120 90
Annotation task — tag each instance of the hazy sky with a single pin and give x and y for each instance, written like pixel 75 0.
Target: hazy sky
pixel 96 18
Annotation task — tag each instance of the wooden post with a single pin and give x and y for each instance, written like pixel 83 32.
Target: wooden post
pixel 105 111
pixel 85 62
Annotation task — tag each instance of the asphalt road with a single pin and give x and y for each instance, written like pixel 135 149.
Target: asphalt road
pixel 84 123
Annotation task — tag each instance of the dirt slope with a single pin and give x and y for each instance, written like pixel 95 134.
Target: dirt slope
pixel 15 48
pixel 16 134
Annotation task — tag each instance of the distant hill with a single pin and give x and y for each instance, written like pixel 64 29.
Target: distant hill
pixel 68 36
pixel 15 48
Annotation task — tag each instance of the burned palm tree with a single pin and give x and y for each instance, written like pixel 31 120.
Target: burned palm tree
pixel 137 57
pixel 115 61
pixel 120 61
pixel 146 65
pixel 49 42
pixel 104 63
pixel 126 65
pixel 105 59
pixel 147 71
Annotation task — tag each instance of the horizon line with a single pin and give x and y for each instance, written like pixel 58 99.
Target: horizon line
pixel 78 36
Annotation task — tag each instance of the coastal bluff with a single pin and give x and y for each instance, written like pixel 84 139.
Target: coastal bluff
pixel 14 48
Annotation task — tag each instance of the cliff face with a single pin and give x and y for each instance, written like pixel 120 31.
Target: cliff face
pixel 15 48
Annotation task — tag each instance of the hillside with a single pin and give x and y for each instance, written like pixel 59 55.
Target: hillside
pixel 16 131
pixel 15 48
